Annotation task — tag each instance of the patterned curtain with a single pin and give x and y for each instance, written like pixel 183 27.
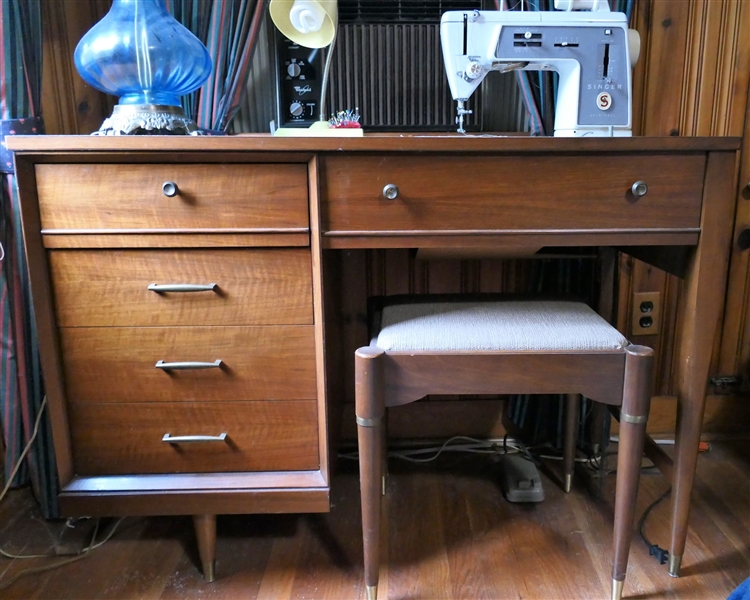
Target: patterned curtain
pixel 230 30
pixel 20 372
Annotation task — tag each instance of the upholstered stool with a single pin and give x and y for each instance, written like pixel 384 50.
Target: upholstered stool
pixel 424 345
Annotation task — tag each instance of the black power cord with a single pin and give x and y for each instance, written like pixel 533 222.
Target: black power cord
pixel 661 554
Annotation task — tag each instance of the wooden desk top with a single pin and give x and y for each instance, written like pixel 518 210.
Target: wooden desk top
pixel 407 142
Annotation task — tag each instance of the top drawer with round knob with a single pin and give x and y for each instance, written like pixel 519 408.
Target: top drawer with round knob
pixel 112 198
pixel 403 195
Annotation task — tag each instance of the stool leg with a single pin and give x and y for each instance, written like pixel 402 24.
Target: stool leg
pixel 572 410
pixel 384 442
pixel 633 416
pixel 370 410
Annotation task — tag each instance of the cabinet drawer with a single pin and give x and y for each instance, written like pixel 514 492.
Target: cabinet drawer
pixel 118 364
pixel 117 439
pixel 454 193
pixel 111 288
pixel 114 197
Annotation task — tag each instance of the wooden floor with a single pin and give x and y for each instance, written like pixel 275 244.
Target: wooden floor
pixel 450 535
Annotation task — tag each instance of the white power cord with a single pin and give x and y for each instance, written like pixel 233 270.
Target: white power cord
pixel 25 450
pixel 471 445
pixel 93 544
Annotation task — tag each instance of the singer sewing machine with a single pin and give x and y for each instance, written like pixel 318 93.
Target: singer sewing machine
pixel 592 51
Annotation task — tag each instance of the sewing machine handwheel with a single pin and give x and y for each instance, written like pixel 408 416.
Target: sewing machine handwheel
pixel 390 191
pixel 639 189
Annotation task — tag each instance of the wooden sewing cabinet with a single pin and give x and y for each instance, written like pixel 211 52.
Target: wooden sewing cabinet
pixel 212 398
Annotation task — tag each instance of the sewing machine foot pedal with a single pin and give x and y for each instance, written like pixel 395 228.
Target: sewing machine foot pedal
pixel 520 479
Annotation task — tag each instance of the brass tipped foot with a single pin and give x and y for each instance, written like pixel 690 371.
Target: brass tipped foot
pixel 372 592
pixel 209 571
pixel 617 589
pixel 568 482
pixel 674 565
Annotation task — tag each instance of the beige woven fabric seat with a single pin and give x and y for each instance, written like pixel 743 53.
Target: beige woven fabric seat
pixel 424 345
pixel 495 325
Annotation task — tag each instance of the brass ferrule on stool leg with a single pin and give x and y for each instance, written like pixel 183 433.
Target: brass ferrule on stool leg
pixel 372 592
pixel 674 565
pixel 617 589
pixel 209 570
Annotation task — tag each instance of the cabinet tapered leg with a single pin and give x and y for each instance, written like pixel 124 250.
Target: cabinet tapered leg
pixel 703 298
pixel 205 531
pixel 572 409
pixel 633 417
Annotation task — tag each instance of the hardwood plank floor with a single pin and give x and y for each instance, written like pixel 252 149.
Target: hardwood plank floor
pixel 450 534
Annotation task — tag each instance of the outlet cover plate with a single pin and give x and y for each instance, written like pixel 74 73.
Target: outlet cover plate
pixel 641 301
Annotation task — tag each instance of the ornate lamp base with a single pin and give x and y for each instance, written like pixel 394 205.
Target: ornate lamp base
pixel 148 119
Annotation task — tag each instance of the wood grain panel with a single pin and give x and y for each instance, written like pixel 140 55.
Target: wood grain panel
pixel 126 196
pixel 641 277
pixel 69 104
pixel 116 439
pixel 411 377
pixel 640 21
pixel 110 288
pixel 149 239
pixel 223 502
pixel 665 63
pixel 511 242
pixel 44 316
pixel 320 325
pixel 194 482
pixel 717 69
pixel 117 364
pixel 576 192
pixel 711 99
pixel 220 149
pixel 734 358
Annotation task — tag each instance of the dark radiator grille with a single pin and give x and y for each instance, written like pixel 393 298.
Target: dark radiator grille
pixel 394 74
pixel 400 11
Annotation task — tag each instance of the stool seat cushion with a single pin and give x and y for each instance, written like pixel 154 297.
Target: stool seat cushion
pixel 514 325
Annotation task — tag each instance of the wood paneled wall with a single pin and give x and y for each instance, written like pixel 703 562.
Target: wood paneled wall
pixel 69 105
pixel 692 79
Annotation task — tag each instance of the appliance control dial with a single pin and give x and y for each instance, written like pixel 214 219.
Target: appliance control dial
pixel 293 69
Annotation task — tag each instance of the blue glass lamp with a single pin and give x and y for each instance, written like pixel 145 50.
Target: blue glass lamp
pixel 142 54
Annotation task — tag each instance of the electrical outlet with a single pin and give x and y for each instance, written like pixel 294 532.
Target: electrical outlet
pixel 646 315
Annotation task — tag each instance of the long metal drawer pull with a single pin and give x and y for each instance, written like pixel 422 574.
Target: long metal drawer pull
pixel 181 287
pixel 188 365
pixel 190 439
